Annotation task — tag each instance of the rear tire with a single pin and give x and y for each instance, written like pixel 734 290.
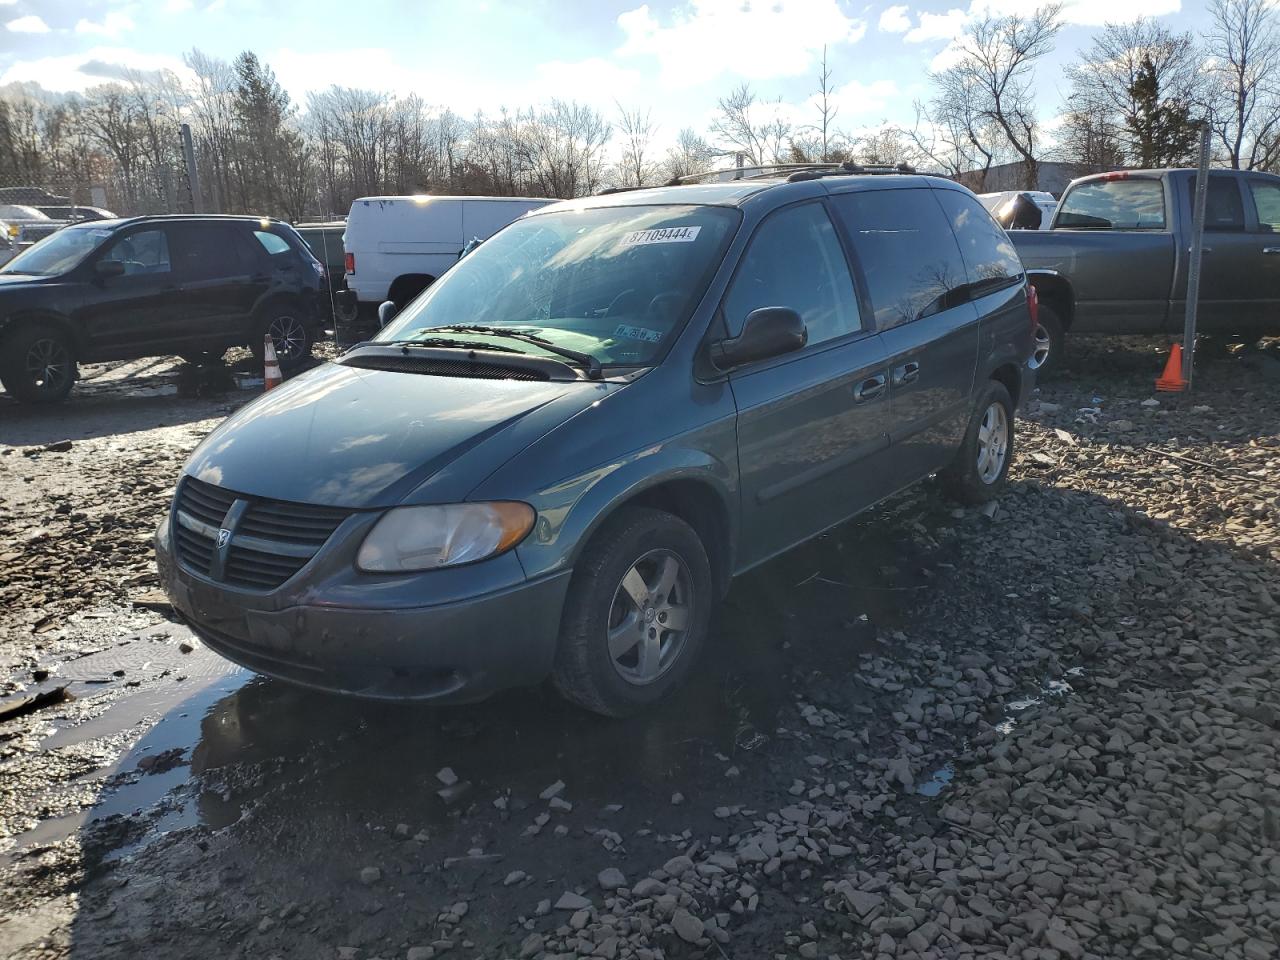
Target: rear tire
pixel 1050 342
pixel 38 364
pixel 981 466
pixel 292 335
pixel 642 573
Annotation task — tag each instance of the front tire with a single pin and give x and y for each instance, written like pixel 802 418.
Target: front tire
pixel 1050 342
pixel 637 613
pixel 292 336
pixel 38 364
pixel 981 466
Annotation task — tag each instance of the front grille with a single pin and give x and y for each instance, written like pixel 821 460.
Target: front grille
pixel 431 366
pixel 270 540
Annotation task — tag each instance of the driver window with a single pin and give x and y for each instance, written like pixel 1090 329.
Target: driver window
pixel 795 260
pixel 144 252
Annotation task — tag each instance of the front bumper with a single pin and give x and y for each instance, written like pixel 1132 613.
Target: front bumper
pixel 452 652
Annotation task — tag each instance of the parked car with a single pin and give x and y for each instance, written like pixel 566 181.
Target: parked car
pixel 1115 260
pixel 553 461
pixel 7 246
pixel 396 247
pixel 28 225
pixel 1021 209
pixel 153 286
pixel 325 242
pixel 75 213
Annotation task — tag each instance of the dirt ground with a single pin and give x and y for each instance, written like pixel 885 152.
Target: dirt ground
pixel 1045 729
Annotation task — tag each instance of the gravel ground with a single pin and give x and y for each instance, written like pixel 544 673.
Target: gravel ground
pixel 1042 730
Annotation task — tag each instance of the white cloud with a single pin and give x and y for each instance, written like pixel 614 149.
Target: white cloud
pixel 595 81
pixel 27 24
pixel 760 40
pixel 80 71
pixel 112 25
pixel 1087 13
pixel 937 26
pixel 948 56
pixel 177 6
pixel 895 20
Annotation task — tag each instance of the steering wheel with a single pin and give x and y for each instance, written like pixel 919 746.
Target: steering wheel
pixel 613 304
pixel 663 302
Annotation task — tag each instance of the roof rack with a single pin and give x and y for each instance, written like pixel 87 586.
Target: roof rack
pixel 848 168
pixel 742 175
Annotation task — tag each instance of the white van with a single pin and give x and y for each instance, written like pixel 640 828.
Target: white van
pixel 396 246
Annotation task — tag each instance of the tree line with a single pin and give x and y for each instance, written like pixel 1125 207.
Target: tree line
pixel 1137 97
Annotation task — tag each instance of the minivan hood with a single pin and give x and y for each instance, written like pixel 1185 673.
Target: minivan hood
pixel 351 437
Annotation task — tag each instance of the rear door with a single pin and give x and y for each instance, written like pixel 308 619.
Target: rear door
pixel 133 314
pixel 1263 197
pixel 810 423
pixel 1232 258
pixel 217 279
pixel 917 282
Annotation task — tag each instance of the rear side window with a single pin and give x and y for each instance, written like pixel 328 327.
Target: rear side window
pixel 907 252
pixel 1266 200
pixel 205 251
pixel 1223 208
pixel 144 252
pixel 795 260
pixel 271 242
pixel 989 257
pixel 1113 205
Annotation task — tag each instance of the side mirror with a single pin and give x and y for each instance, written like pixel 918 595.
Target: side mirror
pixel 386 312
pixel 767 332
pixel 106 269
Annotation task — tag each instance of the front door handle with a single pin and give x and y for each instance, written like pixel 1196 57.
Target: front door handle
pixel 906 373
pixel 870 388
pixel 1271 250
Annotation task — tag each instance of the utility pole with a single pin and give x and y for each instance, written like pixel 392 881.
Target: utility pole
pixel 193 177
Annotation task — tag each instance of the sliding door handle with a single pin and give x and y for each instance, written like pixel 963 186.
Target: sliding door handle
pixel 906 373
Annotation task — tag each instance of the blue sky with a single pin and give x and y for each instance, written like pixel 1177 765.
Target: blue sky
pixel 676 57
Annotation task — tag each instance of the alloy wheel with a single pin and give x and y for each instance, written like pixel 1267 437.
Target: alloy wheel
pixel 48 364
pixel 993 442
pixel 650 617
pixel 1043 346
pixel 289 337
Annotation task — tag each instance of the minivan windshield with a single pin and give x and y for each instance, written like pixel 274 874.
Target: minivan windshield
pixel 58 252
pixel 614 282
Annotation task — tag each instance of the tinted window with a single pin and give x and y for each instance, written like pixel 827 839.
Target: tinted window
pixel 1223 209
pixel 144 252
pixel 205 251
pixel 272 243
pixel 1113 205
pixel 1266 200
pixel 795 260
pixel 908 255
pixel 988 252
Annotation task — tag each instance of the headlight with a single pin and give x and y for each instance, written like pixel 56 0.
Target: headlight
pixel 444 535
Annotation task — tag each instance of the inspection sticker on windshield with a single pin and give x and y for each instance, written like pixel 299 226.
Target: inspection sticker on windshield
pixel 638 333
pixel 661 235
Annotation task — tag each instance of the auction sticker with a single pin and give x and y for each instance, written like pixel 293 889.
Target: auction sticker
pixel 638 333
pixel 661 235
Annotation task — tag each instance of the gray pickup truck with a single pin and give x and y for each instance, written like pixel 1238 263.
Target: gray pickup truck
pixel 1115 260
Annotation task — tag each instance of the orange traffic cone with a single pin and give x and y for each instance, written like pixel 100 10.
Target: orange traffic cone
pixel 1172 381
pixel 271 366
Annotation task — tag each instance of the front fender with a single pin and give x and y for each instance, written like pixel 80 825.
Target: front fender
pixel 12 319
pixel 571 510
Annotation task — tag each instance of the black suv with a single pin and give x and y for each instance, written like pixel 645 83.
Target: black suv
pixel 154 286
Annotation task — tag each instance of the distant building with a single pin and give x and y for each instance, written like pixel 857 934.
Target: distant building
pixel 1054 177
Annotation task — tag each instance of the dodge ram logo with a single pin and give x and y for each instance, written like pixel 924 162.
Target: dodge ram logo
pixel 223 536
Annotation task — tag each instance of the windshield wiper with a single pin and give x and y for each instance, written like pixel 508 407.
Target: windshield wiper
pixel 445 343
pixel 592 365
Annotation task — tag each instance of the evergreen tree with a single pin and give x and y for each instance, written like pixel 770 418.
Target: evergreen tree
pixel 1162 130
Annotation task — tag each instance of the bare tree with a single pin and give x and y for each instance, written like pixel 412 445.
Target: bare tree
pixel 752 127
pixel 637 129
pixel 826 112
pixel 565 144
pixel 1130 72
pixel 690 155
pixel 1244 99
pixel 994 73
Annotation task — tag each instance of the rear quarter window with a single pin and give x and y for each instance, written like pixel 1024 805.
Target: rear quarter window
pixel 1113 205
pixel 989 257
pixel 271 242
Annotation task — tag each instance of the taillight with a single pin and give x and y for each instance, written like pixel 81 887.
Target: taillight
pixel 1033 307
pixel 351 262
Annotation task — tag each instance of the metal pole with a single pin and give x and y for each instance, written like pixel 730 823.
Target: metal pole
pixel 193 178
pixel 1197 252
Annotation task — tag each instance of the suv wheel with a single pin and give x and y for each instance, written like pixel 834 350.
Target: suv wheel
pixel 1050 340
pixel 981 466
pixel 292 337
pixel 636 615
pixel 38 365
